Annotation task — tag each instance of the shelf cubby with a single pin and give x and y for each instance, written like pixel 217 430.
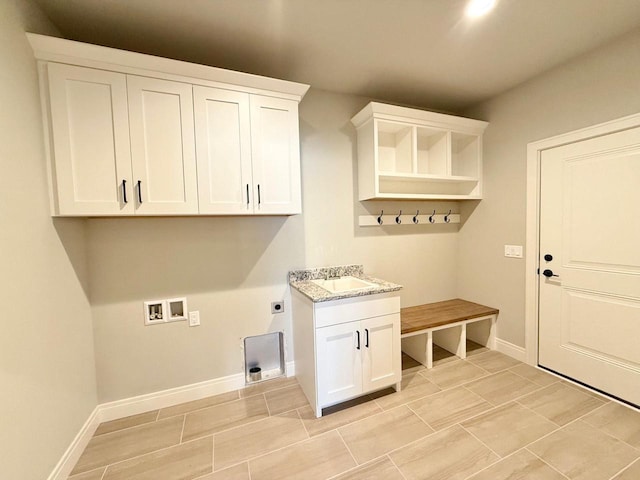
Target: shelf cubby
pixel 404 153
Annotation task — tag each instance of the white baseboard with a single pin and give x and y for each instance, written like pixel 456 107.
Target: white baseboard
pixel 79 443
pixel 514 351
pixel 143 403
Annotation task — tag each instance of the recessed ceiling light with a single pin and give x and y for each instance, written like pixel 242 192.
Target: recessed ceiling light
pixel 477 8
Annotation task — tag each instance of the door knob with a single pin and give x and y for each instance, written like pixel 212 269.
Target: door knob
pixel 548 273
pixel 548 257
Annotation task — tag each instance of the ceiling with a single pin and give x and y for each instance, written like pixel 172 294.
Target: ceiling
pixel 414 52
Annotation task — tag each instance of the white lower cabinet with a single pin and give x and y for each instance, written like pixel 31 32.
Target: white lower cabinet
pixel 346 348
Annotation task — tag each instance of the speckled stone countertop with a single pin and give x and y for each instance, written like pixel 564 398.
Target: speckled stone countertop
pixel 301 281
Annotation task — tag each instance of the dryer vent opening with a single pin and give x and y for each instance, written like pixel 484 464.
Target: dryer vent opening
pixel 264 357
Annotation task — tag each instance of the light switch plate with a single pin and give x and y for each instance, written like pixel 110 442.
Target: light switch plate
pixel 194 318
pixel 513 251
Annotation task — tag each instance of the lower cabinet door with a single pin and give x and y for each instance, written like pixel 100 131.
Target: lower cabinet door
pixel 339 362
pixel 381 362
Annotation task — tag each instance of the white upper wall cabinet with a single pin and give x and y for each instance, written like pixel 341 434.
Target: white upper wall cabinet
pixel 133 134
pixel 162 146
pixel 90 122
pixel 405 153
pixel 275 155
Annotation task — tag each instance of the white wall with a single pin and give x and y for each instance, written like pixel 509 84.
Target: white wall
pixel 231 269
pixel 599 86
pixel 47 372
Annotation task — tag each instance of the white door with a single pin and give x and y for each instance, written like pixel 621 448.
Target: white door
pixel 381 349
pixel 162 146
pixel 275 155
pixel 223 151
pixel 339 362
pixel 589 313
pixel 90 126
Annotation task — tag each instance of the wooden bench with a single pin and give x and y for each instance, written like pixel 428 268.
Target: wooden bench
pixel 452 322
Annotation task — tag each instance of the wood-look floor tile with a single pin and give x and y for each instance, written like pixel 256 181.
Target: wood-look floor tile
pixel 493 361
pixel 333 417
pixel 630 473
pixel 285 399
pixel 474 348
pixel 414 386
pixel 442 356
pixel 257 438
pixel 92 475
pixel 522 465
pixel 452 454
pixel 582 452
pixel 315 459
pixel 560 404
pixel 126 422
pixel 502 387
pixel 198 404
pixel 453 374
pixel 447 408
pixel 376 435
pixel 380 469
pixel 267 386
pixel 182 462
pixel 586 391
pixel 410 363
pixel 225 416
pixel 238 472
pixel 509 428
pixel 132 442
pixel 618 421
pixel 534 375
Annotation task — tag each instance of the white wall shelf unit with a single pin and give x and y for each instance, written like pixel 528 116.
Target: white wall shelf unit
pixel 133 134
pixel 405 153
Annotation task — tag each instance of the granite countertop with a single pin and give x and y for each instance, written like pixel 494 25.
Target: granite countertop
pixel 301 281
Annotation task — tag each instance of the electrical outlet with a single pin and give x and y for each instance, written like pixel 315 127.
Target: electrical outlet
pixel 277 307
pixel 194 318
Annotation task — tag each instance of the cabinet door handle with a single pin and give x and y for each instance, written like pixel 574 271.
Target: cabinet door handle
pixel 258 194
pixel 358 334
pixel 247 194
pixel 124 191
pixel 140 191
pixel 366 338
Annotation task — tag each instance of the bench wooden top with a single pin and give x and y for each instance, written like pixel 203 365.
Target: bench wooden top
pixel 436 314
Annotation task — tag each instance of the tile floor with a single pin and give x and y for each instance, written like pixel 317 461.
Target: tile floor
pixel 488 417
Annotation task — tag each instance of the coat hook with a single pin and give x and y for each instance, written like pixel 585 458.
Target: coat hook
pixel 431 219
pixel 398 219
pixel 446 217
pixel 415 218
pixel 380 217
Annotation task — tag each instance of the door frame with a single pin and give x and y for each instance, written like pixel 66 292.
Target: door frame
pixel 532 243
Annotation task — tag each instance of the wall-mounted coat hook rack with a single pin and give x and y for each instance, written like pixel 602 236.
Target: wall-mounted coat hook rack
pixel 410 219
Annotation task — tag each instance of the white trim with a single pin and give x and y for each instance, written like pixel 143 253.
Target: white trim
pixel 53 49
pixel 534 153
pixel 514 351
pixel 70 457
pixel 106 412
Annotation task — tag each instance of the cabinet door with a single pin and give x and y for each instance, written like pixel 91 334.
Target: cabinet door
pixel 338 363
pixel 162 146
pixel 91 154
pixel 381 364
pixel 223 151
pixel 275 148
